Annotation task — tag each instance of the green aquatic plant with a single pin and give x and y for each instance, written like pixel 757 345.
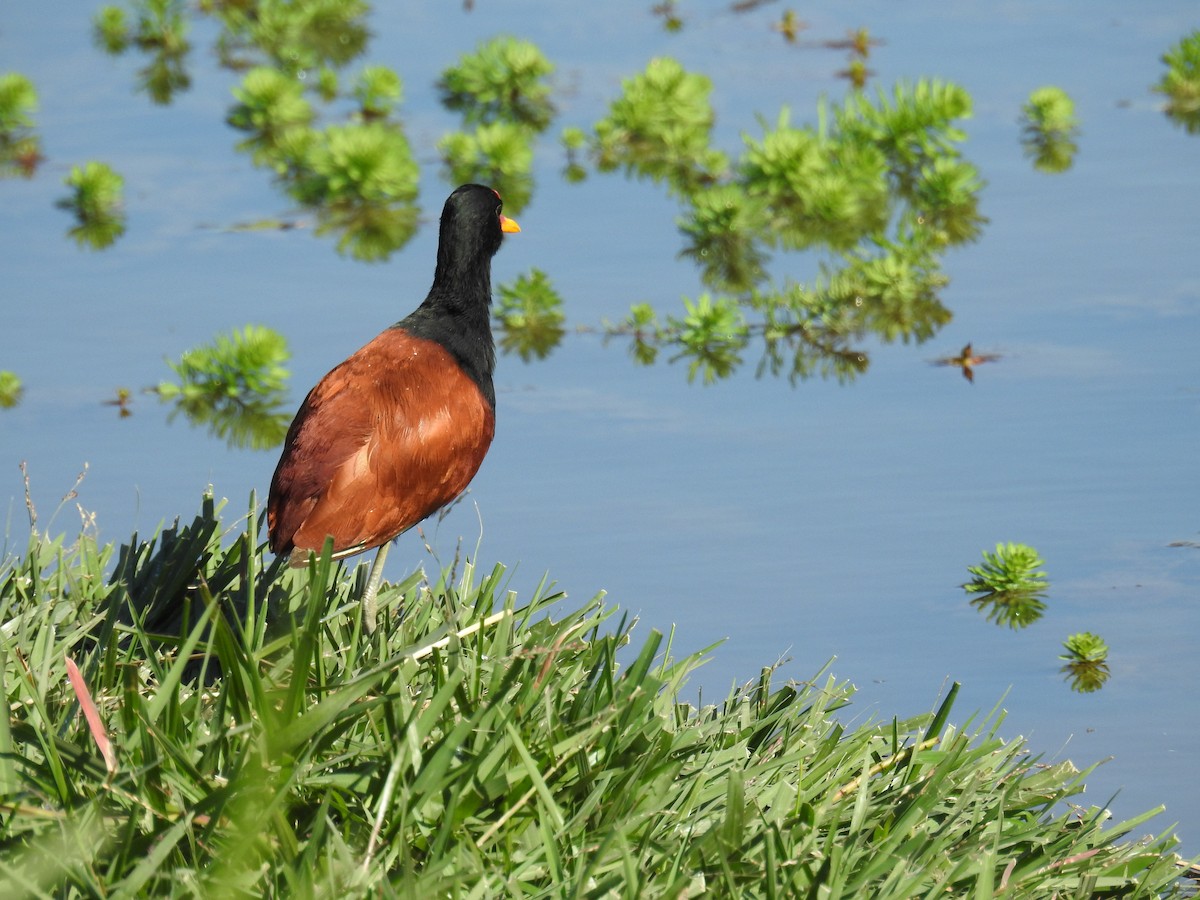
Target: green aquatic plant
pixel 160 30
pixel 710 336
pixel 270 105
pixel 234 386
pixel 574 141
pixel 1180 84
pixel 1010 567
pixel 1085 647
pixel 11 389
pixel 814 189
pixel 327 83
pixel 721 232
pixel 502 92
pixel 503 80
pixel 1011 585
pixel 96 199
pixel 111 29
pixel 646 333
pixel 877 187
pixel 20 147
pixel 660 128
pixel 530 316
pixel 245 363
pixel 18 103
pixel 359 178
pixel 159 25
pixel 499 154
pixel 1085 662
pixel 1050 129
pixel 378 91
pixel 369 162
pixel 1050 109
pixel 296 36
pixel 912 125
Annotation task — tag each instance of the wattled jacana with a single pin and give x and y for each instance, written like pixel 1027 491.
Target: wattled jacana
pixel 400 428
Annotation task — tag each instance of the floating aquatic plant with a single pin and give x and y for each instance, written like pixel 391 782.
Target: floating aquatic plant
pixel 574 141
pixel 111 30
pixel 296 36
pixel 234 386
pixel 499 154
pixel 96 200
pixel 11 389
pixel 20 148
pixel 1085 662
pixel 1011 585
pixel 1050 129
pixel 378 91
pixel 710 336
pixel 660 128
pixel 18 102
pixel 1010 567
pixel 368 162
pixel 270 105
pixel 877 186
pixel 504 79
pixel 529 312
pixel 160 30
pixel 1180 84
pixel 722 230
pixel 245 363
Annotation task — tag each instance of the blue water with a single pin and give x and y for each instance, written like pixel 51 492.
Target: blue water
pixel 805 522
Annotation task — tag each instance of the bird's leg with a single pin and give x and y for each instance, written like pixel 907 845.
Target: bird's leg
pixel 373 581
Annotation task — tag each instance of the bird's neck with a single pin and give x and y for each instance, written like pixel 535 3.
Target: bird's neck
pixel 456 315
pixel 460 287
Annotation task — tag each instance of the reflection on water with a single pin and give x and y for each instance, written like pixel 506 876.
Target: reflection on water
pixel 254 424
pixel 1016 609
pixel 122 399
pixel 966 361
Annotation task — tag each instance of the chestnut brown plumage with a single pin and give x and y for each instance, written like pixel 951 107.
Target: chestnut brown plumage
pixel 400 428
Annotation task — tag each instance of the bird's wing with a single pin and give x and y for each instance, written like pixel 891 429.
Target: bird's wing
pixel 385 439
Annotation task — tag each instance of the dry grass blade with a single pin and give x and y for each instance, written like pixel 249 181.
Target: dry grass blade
pixel 95 725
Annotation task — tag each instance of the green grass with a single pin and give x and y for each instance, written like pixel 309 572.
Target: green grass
pixel 249 739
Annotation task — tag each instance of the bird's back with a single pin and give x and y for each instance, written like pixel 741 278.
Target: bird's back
pixel 388 437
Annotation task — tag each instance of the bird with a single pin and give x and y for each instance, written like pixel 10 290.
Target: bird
pixel 967 360
pixel 398 430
